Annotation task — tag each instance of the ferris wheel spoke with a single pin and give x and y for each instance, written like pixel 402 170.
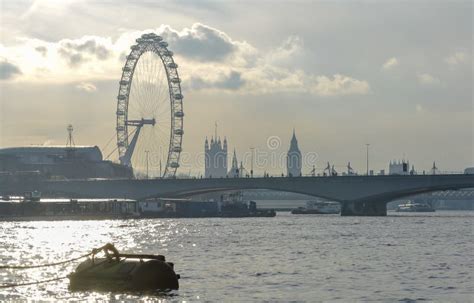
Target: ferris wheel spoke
pixel 151 80
pixel 159 87
pixel 136 96
pixel 164 139
pixel 146 82
pixel 141 87
pixel 162 104
pixel 156 88
pixel 164 108
pixel 163 89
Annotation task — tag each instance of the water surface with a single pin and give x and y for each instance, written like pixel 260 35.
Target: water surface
pixel 401 257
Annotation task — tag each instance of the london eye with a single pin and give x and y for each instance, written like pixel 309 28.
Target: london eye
pixel 150 110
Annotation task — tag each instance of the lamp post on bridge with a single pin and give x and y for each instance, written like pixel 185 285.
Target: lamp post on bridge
pixel 251 161
pixel 367 145
pixel 147 152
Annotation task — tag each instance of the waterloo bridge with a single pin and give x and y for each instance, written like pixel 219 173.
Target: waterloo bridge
pixel 358 195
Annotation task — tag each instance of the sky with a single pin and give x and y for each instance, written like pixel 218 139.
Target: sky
pixel 393 74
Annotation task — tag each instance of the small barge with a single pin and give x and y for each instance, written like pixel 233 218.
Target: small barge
pixel 415 208
pixel 318 207
pixel 233 205
pixel 67 209
pixel 33 208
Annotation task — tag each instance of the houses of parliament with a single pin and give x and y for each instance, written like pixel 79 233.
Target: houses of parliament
pixel 216 154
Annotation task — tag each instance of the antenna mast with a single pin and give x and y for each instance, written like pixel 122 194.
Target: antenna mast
pixel 70 140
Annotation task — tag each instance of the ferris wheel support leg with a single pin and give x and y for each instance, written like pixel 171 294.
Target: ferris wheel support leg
pixel 127 158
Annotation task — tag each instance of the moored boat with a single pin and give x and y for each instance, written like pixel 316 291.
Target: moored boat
pixel 124 272
pixel 318 207
pixel 415 207
pixel 233 205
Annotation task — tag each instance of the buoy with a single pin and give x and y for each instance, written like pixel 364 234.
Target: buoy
pixel 123 272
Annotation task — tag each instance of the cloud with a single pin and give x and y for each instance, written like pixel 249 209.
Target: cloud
pixel 73 59
pixel 90 46
pixel 202 42
pixel 293 46
pixel 390 63
pixel 87 87
pixel 427 79
pixel 8 70
pixel 232 81
pixel 76 51
pixel 456 58
pixel 42 50
pixel 208 59
pixel 340 85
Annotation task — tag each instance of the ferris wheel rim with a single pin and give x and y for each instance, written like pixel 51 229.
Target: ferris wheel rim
pixel 152 43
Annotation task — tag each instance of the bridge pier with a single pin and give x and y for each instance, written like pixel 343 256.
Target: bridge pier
pixel 363 209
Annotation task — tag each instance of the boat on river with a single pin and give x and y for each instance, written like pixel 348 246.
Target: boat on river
pixel 123 272
pixel 232 205
pixel 415 207
pixel 318 207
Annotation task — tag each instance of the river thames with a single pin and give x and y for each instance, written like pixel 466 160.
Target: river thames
pixel 401 257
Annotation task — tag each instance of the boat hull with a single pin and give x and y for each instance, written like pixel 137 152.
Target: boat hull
pixel 415 208
pixel 123 275
pixel 312 212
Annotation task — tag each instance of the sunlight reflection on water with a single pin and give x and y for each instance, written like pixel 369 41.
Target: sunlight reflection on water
pixel 304 258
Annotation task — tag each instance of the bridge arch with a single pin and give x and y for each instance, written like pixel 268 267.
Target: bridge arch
pixel 229 189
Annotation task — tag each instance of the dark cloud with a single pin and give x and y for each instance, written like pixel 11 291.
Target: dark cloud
pixel 233 81
pixel 74 52
pixel 72 58
pixel 8 70
pixel 42 50
pixel 91 47
pixel 200 43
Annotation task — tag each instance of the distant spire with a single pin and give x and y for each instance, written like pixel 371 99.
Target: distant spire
pixel 234 160
pixel 234 170
pixel 294 141
pixel 215 130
